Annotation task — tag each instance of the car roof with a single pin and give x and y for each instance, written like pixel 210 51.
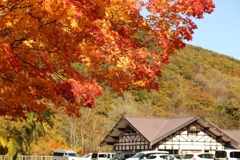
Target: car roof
pixel 64 150
pixel 202 153
pixel 103 152
pixel 228 150
pixel 126 152
pixel 157 154
pixel 154 152
pixel 198 153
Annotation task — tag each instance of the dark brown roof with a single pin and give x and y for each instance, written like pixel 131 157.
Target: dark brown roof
pixel 154 128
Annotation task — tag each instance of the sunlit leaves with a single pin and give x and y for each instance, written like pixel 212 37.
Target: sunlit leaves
pixel 74 23
pixel 3 139
pixel 41 39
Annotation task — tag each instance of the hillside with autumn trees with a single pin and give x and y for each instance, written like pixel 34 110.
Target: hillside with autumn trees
pixel 197 81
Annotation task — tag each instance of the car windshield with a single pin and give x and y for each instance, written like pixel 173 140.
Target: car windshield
pixel 72 155
pixel 221 154
pixel 58 154
pixel 87 155
pixel 138 155
pixel 152 157
pixel 102 155
pixel 188 156
pixel 235 154
pixel 169 157
pixel 178 156
pixel 211 156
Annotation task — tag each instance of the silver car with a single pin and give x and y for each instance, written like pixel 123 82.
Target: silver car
pixel 198 156
pixel 161 157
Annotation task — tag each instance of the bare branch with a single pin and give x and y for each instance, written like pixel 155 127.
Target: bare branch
pixel 3 14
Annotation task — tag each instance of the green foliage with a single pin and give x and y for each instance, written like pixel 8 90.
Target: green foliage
pixel 17 136
pixel 3 139
pixel 14 145
pixel 105 103
pixel 48 116
pixel 147 40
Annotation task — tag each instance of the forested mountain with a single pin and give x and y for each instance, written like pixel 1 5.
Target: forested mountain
pixel 196 81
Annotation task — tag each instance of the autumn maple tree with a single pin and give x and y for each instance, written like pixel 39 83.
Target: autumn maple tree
pixel 41 40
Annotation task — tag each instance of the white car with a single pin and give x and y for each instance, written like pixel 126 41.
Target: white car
pixel 161 157
pixel 86 157
pixel 102 155
pixel 145 154
pixel 227 154
pixel 61 154
pixel 198 156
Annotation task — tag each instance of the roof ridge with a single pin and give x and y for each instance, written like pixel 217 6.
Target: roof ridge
pixel 230 130
pixel 184 116
pixel 160 117
pixel 145 117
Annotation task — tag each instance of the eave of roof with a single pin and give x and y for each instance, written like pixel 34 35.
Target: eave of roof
pixel 115 132
pixel 223 134
pixel 235 134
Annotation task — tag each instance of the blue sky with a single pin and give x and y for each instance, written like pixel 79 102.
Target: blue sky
pixel 220 30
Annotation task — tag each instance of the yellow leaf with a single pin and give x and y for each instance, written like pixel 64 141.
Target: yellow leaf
pixel 123 62
pixel 3 140
pixel 74 23
pixel 9 24
pixel 140 83
pixel 29 42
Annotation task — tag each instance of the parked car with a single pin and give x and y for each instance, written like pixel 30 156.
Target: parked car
pixel 146 154
pixel 61 154
pixel 102 155
pixel 86 157
pixel 161 157
pixel 198 156
pixel 178 156
pixel 227 155
pixel 123 155
pixel 188 156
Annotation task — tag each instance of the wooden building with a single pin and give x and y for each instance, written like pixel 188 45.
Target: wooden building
pixel 177 135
